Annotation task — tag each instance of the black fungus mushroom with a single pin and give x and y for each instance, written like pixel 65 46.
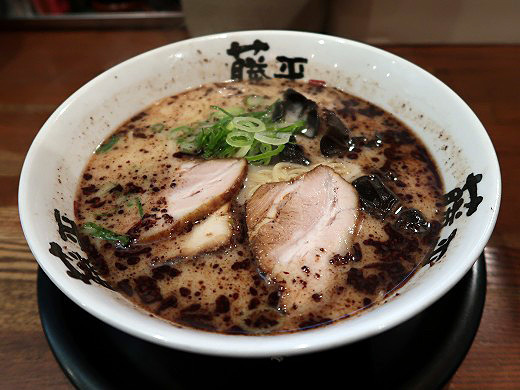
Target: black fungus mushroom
pixel 278 111
pixel 412 221
pixel 296 106
pixel 294 102
pixel 335 141
pixel 293 153
pixel 376 199
pixel 356 143
pixel 312 120
pixel 375 143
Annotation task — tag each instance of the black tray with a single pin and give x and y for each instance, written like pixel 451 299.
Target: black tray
pixel 422 353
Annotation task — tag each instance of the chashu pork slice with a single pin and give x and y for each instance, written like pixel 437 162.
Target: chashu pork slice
pixel 296 227
pixel 207 235
pixel 201 187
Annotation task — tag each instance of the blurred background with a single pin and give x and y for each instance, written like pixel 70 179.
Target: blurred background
pixel 371 21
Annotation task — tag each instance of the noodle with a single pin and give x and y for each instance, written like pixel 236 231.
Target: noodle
pixel 284 171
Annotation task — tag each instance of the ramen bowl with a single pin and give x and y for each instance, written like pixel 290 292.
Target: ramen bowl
pixel 441 119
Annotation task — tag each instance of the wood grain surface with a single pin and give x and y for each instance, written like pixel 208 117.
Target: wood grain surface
pixel 38 70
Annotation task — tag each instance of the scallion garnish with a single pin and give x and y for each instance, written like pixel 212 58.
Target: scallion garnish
pixel 179 132
pixel 273 137
pixel 248 123
pixel 222 110
pixel 242 151
pixel 296 126
pixel 233 133
pixel 106 146
pixel 97 231
pixel 266 155
pixel 239 139
pixel 139 207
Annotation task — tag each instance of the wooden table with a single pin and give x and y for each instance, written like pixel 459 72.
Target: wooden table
pixel 38 70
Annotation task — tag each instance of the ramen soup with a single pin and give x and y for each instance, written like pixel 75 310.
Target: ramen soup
pixel 259 208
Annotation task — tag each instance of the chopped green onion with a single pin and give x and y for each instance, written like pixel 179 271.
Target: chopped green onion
pixel 265 155
pixel 239 139
pixel 248 123
pixel 253 135
pixel 229 113
pixel 187 135
pixel 97 231
pixel 296 126
pixel 253 101
pixel 212 141
pixel 157 128
pixel 222 110
pixel 273 138
pixel 263 115
pixel 204 125
pixel 139 207
pixel 235 111
pixel 264 148
pixel 183 130
pixel 183 139
pixel 106 146
pixel 242 151
pixel 190 148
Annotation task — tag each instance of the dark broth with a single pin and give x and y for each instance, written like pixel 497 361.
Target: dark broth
pixel 224 291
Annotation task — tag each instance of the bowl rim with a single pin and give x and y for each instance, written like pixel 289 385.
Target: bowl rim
pixel 266 345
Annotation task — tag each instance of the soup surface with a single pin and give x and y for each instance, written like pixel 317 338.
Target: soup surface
pixel 207 274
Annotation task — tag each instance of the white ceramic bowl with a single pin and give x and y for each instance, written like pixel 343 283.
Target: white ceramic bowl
pixel 442 120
